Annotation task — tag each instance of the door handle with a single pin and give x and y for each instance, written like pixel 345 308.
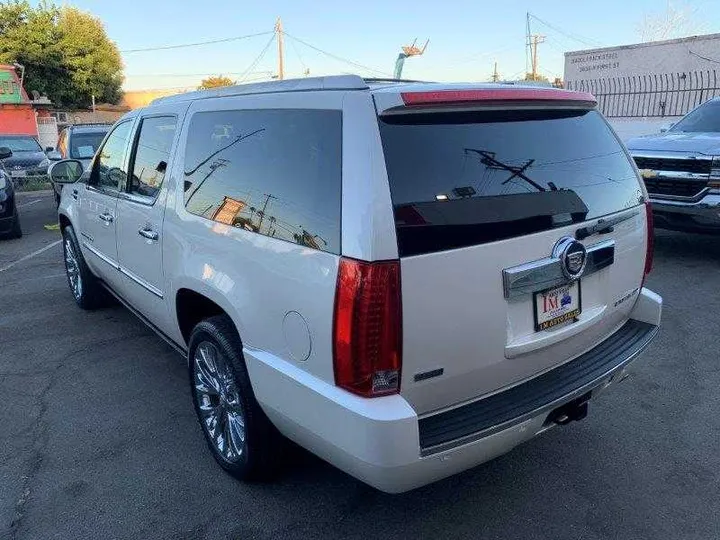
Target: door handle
pixel 107 218
pixel 149 234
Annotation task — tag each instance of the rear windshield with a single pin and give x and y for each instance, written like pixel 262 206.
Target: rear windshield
pixel 466 178
pixel 84 145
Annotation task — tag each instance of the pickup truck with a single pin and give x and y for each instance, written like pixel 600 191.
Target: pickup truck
pixel 681 171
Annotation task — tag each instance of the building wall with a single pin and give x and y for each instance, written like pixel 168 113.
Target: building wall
pixel 671 56
pixel 17 120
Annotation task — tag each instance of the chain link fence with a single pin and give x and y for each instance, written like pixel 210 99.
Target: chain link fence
pixel 32 182
pixel 651 96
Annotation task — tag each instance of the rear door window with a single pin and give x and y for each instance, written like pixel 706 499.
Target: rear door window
pixel 272 172
pixel 152 153
pixel 465 178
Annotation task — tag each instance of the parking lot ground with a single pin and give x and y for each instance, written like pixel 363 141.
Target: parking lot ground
pixel 98 437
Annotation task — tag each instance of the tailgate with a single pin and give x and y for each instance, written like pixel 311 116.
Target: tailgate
pixel 504 271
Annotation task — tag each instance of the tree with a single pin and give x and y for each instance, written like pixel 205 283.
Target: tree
pixel 536 77
pixel 216 82
pixel 66 52
pixel 675 21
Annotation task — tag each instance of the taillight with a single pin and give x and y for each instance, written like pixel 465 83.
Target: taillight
pixel 650 241
pixel 368 327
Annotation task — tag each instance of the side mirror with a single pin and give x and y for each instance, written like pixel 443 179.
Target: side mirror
pixel 666 129
pixel 5 152
pixel 67 171
pixel 54 155
pixel 49 149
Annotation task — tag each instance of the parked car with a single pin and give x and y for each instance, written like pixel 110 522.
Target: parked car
pixel 9 219
pixel 78 141
pixel 28 159
pixel 681 170
pixel 406 279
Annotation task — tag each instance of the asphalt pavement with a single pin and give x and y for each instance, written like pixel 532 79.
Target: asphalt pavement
pixel 98 438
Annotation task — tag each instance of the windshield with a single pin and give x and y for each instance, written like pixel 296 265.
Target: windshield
pixel 466 178
pixel 20 144
pixel 84 145
pixel 705 118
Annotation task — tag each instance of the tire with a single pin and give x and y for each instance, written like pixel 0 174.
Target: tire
pixel 16 230
pixel 87 291
pixel 240 436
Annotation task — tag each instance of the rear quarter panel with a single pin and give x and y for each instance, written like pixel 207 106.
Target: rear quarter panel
pixel 256 279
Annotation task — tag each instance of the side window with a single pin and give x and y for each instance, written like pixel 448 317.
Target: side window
pixel 273 172
pixel 108 171
pixel 152 152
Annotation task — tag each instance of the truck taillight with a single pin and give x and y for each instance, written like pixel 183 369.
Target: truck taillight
pixel 650 241
pixel 368 327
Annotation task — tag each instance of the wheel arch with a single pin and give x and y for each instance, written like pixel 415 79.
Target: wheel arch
pixel 194 302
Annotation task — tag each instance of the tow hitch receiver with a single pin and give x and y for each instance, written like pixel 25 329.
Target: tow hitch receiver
pixel 574 410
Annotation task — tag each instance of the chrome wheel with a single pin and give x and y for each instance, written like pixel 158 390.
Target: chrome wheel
pixel 72 267
pixel 218 401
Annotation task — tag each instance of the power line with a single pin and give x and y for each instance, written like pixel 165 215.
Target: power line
pixel 137 75
pixel 586 41
pixel 257 60
pixel 297 53
pixel 336 57
pixel 196 44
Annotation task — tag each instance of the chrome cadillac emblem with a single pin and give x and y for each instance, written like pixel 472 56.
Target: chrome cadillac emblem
pixel 572 255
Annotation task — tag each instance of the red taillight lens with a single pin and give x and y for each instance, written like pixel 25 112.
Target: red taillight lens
pixel 443 97
pixel 650 240
pixel 368 327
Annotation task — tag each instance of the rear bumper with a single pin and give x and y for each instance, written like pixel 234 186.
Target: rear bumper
pixel 383 442
pixel 699 216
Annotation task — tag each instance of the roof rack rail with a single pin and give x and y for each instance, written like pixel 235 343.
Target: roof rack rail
pixel 85 124
pixel 334 82
pixel 391 80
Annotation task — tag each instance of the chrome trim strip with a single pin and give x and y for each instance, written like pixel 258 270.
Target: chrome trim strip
pixel 592 385
pixel 547 273
pixel 652 154
pixel 102 257
pixel 139 199
pixel 675 175
pixel 144 284
pixel 694 198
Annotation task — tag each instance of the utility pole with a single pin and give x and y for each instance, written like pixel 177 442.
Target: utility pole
pixel 495 75
pixel 281 60
pixel 262 212
pixel 535 40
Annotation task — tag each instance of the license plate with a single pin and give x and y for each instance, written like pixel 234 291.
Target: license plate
pixel 556 306
pixel 18 174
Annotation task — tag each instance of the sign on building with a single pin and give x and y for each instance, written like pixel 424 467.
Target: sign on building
pixel 645 80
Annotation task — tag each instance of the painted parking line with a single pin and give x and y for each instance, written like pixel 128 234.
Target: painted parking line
pixel 30 255
pixel 23 205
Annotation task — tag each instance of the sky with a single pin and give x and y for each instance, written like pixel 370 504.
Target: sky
pixel 466 37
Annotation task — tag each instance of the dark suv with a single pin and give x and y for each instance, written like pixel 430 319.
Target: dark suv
pixel 9 220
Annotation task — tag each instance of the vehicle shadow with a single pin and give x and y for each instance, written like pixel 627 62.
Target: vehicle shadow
pixel 678 245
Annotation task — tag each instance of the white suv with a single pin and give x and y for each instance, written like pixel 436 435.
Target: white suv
pixel 406 279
